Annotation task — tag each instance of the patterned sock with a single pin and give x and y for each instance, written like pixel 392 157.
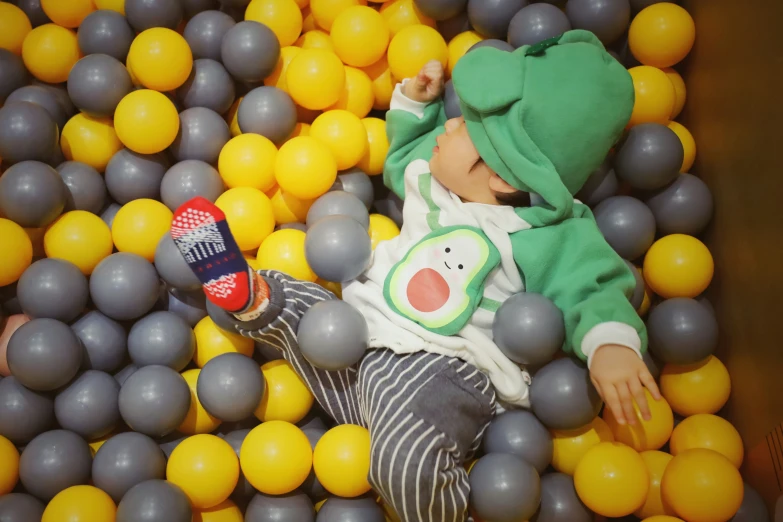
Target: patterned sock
pixel 201 233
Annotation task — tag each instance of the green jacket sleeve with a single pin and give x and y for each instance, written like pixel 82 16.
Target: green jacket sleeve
pixel 571 264
pixel 410 138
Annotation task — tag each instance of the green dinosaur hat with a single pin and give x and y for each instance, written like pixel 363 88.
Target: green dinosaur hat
pixel 545 116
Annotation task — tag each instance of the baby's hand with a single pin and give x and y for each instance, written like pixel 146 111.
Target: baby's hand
pixel 619 374
pixel 427 85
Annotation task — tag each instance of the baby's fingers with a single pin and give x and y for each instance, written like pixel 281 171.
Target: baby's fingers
pixel 612 400
pixel 637 390
pixel 649 382
pixel 626 401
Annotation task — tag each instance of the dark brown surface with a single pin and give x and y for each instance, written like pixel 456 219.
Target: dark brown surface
pixel 734 78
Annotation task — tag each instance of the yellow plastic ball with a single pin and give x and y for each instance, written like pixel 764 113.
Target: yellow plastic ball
pixel 315 78
pixel 360 36
pixel 303 4
pixel 114 5
pixel 249 215
pixel 9 471
pixel 357 96
pixel 283 17
pixel 276 457
pixel 708 431
pixel 655 462
pixel 14 27
pixel 654 96
pixel 661 35
pixel 212 341
pixel 198 419
pixel 344 134
pixel 226 511
pixel 644 435
pixel 79 237
pixel 308 20
pixel 663 518
pixel 335 288
pixel 146 121
pixel 382 228
pixel 680 92
pixel 284 251
pixel 286 396
pixel 90 140
pixel 326 11
pixel 36 236
pixel 206 468
pixel 278 76
pixel 305 167
pixel 96 444
pixel 701 484
pixel 304 115
pixel 703 387
pixel 377 146
pixel 80 504
pixel 248 161
pixel 288 208
pixel 569 446
pixel 231 117
pixel 382 83
pixel 341 460
pixel 49 52
pixel 459 45
pixel 688 145
pixel 161 59
pixel 316 39
pixel 301 129
pixel 67 14
pixel 16 251
pixel 611 479
pixel 414 46
pixel 400 14
pixel 678 266
pixel 139 226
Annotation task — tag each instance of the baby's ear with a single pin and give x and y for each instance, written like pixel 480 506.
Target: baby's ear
pixel 499 185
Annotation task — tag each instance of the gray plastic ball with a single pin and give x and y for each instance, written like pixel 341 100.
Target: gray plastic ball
pixel 104 341
pixel 752 509
pixel 338 248
pixel 490 18
pixel 627 224
pixel 355 181
pixel 682 331
pixel 88 406
pixel 451 101
pixel 154 501
pixel 204 33
pixel 169 443
pixel 529 329
pixel 520 433
pixel 358 509
pixel 60 91
pixel 130 175
pixel 45 98
pixel 154 400
pixel 188 179
pixel 27 132
pixel 124 286
pixel 13 73
pixel 291 507
pixel 250 51
pixel 24 414
pixel 391 207
pixel 86 187
pixel 267 111
pixel 601 184
pixel 313 420
pixel 32 194
pixel 235 438
pixel 559 501
pixel 230 386
pixel 172 266
pixel 122 375
pixel 202 134
pixel 161 338
pixel 53 461
pixel 649 157
pixel 440 9
pixel 607 19
pixel 562 395
pixel 108 214
pixel 127 459
pixel 44 354
pixel 146 14
pixel 338 203
pixel 504 488
pixel 20 507
pixel 638 292
pixel 194 7
pixel 453 26
pixel 294 226
pixel 209 85
pixel 684 207
pixel 494 43
pixel 333 335
pixel 105 32
pixel 34 12
pixel 54 289
pixel 191 306
pixel 652 365
pixel 535 23
pixel 312 487
pixel 97 83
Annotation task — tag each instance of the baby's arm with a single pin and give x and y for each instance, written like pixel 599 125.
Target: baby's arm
pixel 416 112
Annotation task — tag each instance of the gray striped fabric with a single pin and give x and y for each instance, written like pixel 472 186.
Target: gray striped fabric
pixel 426 413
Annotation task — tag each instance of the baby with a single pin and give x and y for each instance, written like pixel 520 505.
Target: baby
pixel 489 212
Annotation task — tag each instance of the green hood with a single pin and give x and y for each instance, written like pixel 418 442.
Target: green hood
pixel 549 123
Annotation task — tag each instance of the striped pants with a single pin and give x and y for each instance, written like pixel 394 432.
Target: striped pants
pixel 426 413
